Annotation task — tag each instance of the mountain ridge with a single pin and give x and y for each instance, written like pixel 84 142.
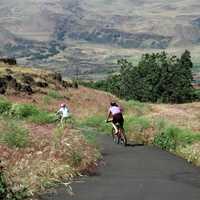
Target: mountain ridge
pixel 68 36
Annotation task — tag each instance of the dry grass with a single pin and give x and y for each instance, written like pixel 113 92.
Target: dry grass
pixel 53 156
pixel 82 102
pixel 183 115
pixel 22 69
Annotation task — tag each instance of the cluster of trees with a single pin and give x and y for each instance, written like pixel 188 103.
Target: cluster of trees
pixel 157 78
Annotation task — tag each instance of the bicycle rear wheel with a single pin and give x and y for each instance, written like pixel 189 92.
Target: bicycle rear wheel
pixel 115 137
pixel 123 139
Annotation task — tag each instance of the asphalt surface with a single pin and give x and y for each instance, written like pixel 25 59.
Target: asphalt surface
pixel 134 173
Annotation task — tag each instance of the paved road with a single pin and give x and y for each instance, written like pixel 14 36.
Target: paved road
pixel 135 173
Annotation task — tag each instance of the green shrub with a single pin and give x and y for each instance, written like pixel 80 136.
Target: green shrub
pixel 43 118
pixel 166 139
pixel 138 107
pixel 3 185
pixel 99 123
pixel 160 124
pixel 75 84
pixel 31 113
pixel 23 110
pixel 57 136
pixel 185 136
pixel 191 153
pixel 90 134
pixel 158 77
pixel 14 135
pixel 136 124
pixel 76 158
pixel 197 94
pixel 54 94
pixel 47 100
pixel 18 195
pixel 5 106
pixel 7 193
pixel 169 136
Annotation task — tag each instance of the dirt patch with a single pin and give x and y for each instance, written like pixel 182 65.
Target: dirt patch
pixel 184 115
pixel 44 131
pixel 88 102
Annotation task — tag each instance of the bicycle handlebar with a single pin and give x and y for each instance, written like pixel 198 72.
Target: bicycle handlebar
pixel 109 121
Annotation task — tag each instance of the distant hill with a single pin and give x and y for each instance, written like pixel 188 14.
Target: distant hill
pixel 87 36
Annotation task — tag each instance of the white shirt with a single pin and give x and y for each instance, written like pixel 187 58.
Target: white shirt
pixel 64 111
pixel 114 110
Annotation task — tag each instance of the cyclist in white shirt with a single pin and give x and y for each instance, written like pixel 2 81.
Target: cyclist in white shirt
pixel 115 112
pixel 64 112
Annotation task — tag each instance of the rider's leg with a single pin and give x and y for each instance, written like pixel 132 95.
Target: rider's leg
pixel 62 122
pixel 115 127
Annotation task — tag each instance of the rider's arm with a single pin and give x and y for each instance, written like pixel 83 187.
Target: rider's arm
pixel 109 115
pixel 59 111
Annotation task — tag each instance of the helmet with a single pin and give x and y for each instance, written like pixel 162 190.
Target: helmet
pixel 113 103
pixel 62 105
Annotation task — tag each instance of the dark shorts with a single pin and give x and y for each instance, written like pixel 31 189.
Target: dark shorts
pixel 118 118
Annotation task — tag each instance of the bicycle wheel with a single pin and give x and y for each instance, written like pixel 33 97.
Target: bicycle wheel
pixel 115 136
pixel 122 138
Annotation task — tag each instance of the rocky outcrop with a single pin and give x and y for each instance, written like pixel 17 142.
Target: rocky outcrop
pixel 41 84
pixel 17 80
pixel 27 89
pixel 9 82
pixel 3 86
pixel 9 61
pixel 57 76
pixel 28 79
pixel 67 84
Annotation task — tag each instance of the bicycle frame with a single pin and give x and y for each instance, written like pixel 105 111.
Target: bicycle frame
pixel 119 137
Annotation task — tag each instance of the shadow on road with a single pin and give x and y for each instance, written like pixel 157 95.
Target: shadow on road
pixel 134 145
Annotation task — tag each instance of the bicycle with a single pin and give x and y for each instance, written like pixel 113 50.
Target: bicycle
pixel 119 137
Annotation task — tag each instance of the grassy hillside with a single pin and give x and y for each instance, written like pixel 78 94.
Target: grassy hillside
pixel 36 152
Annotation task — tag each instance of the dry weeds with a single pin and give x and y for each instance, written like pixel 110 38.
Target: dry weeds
pixel 50 158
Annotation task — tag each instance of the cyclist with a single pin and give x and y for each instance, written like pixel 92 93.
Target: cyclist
pixel 63 112
pixel 117 117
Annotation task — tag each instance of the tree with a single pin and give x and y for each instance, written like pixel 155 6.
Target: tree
pixel 157 78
